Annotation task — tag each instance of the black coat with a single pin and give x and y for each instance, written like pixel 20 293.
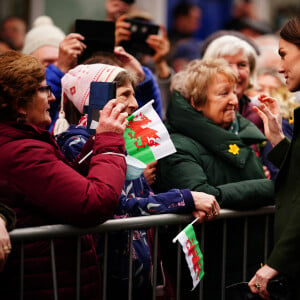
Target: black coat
pixel 285 255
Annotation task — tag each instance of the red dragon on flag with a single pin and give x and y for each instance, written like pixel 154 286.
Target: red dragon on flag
pixel 190 244
pixel 142 134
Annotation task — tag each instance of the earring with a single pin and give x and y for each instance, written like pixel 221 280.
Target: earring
pixel 22 117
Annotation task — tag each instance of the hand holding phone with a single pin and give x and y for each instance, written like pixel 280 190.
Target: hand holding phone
pixel 140 31
pixel 113 118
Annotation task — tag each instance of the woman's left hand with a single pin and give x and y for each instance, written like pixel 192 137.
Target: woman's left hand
pixel 206 203
pixel 150 172
pixel 258 283
pixel 5 245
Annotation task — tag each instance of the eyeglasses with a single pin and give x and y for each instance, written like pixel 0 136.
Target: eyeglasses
pixel 45 88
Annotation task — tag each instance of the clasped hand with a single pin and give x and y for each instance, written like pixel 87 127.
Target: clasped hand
pixel 206 205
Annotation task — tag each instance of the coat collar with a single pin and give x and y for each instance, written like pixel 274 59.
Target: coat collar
pixel 183 118
pixel 11 131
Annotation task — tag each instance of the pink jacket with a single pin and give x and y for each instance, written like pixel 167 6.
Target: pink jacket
pixel 37 182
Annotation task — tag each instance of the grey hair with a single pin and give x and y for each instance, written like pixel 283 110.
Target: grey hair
pixel 229 45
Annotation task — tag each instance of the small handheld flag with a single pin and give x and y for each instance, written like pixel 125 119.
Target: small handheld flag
pixel 146 137
pixel 193 255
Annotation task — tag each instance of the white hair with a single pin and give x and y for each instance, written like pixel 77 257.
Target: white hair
pixel 229 45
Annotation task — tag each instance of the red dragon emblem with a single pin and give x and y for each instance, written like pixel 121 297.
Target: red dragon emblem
pixel 190 245
pixel 142 134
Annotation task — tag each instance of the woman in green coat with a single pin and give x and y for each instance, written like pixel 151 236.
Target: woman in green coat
pixel 284 258
pixel 214 155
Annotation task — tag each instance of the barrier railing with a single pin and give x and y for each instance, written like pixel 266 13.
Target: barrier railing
pixel 51 232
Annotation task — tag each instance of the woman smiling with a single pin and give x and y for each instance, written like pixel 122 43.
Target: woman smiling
pixel 42 188
pixel 214 155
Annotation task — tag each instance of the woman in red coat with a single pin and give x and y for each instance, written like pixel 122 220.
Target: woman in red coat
pixel 42 188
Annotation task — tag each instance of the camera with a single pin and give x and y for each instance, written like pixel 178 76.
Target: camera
pixel 140 30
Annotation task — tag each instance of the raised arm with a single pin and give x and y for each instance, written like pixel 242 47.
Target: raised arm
pixel 269 112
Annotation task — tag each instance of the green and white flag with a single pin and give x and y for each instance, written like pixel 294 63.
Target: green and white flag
pixel 193 255
pixel 146 137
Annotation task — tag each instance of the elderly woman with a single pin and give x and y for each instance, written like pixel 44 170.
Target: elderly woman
pixel 137 198
pixel 214 156
pixel 242 58
pixel 42 188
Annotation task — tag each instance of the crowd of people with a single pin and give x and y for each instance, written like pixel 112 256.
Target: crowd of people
pixel 230 116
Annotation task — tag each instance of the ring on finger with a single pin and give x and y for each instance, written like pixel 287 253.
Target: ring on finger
pixel 257 286
pixel 6 249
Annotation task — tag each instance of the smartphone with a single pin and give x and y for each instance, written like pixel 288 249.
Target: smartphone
pixel 140 30
pixel 99 36
pixel 100 94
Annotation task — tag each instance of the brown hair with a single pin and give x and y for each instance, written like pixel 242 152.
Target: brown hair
pixel 290 32
pixel 20 76
pixel 192 82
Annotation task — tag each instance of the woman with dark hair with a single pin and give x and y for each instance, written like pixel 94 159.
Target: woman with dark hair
pixel 284 258
pixel 39 184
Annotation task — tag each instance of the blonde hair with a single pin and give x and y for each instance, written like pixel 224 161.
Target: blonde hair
pixel 286 100
pixel 192 82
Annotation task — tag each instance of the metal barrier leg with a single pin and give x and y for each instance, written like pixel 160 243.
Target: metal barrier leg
pixel 224 245
pixel 130 265
pixel 178 275
pixel 105 257
pixel 202 250
pixel 245 255
pixel 155 263
pixel 78 257
pixel 266 246
pixel 22 272
pixel 53 267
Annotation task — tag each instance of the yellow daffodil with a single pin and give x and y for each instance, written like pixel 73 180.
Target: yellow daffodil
pixel 234 149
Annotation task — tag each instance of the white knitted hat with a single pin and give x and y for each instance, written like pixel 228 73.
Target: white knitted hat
pixel 76 86
pixel 43 33
pixel 76 83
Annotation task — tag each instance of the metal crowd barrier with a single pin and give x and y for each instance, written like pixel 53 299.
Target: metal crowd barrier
pixel 51 232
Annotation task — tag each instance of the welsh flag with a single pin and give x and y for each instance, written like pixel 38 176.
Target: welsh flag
pixel 193 255
pixel 146 137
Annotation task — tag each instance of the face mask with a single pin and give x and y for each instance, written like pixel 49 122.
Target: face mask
pixel 135 168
